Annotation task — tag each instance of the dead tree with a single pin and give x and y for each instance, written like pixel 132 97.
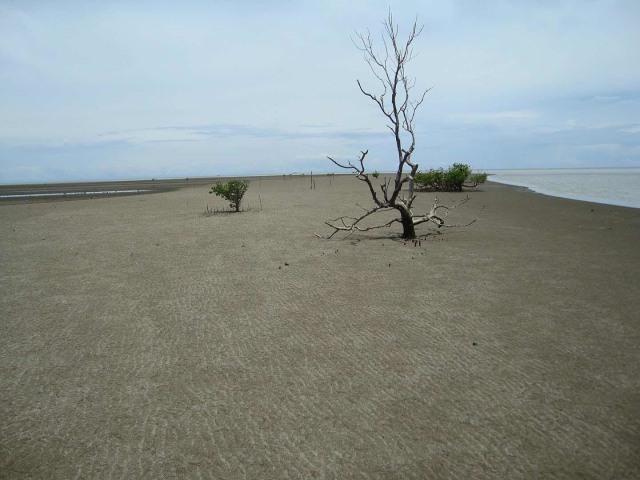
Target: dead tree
pixel 399 108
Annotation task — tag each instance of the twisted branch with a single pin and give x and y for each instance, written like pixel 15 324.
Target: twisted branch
pixel 354 221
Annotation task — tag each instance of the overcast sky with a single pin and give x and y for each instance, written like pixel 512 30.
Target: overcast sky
pixel 102 90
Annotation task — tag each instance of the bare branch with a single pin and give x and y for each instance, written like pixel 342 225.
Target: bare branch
pixel 361 175
pixel 352 225
pixel 460 225
pixel 379 101
pixel 433 216
pixel 347 167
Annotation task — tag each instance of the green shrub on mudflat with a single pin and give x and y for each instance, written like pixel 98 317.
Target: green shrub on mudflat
pixel 233 191
pixel 450 180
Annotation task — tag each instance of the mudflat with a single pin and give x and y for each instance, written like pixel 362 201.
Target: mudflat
pixel 140 338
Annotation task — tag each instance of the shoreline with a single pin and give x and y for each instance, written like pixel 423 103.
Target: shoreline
pixel 607 186
pixel 52 192
pixel 174 181
pixel 579 198
pixel 11 194
pixel 140 337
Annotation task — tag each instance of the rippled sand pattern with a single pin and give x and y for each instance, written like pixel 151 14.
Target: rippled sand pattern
pixel 142 339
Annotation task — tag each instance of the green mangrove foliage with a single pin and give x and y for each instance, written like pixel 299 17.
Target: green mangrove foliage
pixel 232 191
pixel 477 178
pixel 450 180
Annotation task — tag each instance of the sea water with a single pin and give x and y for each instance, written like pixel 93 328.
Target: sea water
pixel 613 186
pixel 70 194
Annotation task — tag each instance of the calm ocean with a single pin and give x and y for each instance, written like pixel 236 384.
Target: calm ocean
pixel 613 186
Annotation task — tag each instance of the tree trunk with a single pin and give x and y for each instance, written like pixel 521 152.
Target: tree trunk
pixel 408 229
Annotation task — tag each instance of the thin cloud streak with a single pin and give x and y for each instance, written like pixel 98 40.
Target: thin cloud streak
pixel 203 132
pixel 496 117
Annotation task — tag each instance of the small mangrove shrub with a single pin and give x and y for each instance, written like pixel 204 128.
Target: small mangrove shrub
pixel 478 178
pixel 232 191
pixel 450 180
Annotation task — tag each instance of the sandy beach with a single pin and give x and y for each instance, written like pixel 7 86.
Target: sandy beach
pixel 140 338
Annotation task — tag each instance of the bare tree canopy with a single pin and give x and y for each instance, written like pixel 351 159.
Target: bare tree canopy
pixel 399 105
